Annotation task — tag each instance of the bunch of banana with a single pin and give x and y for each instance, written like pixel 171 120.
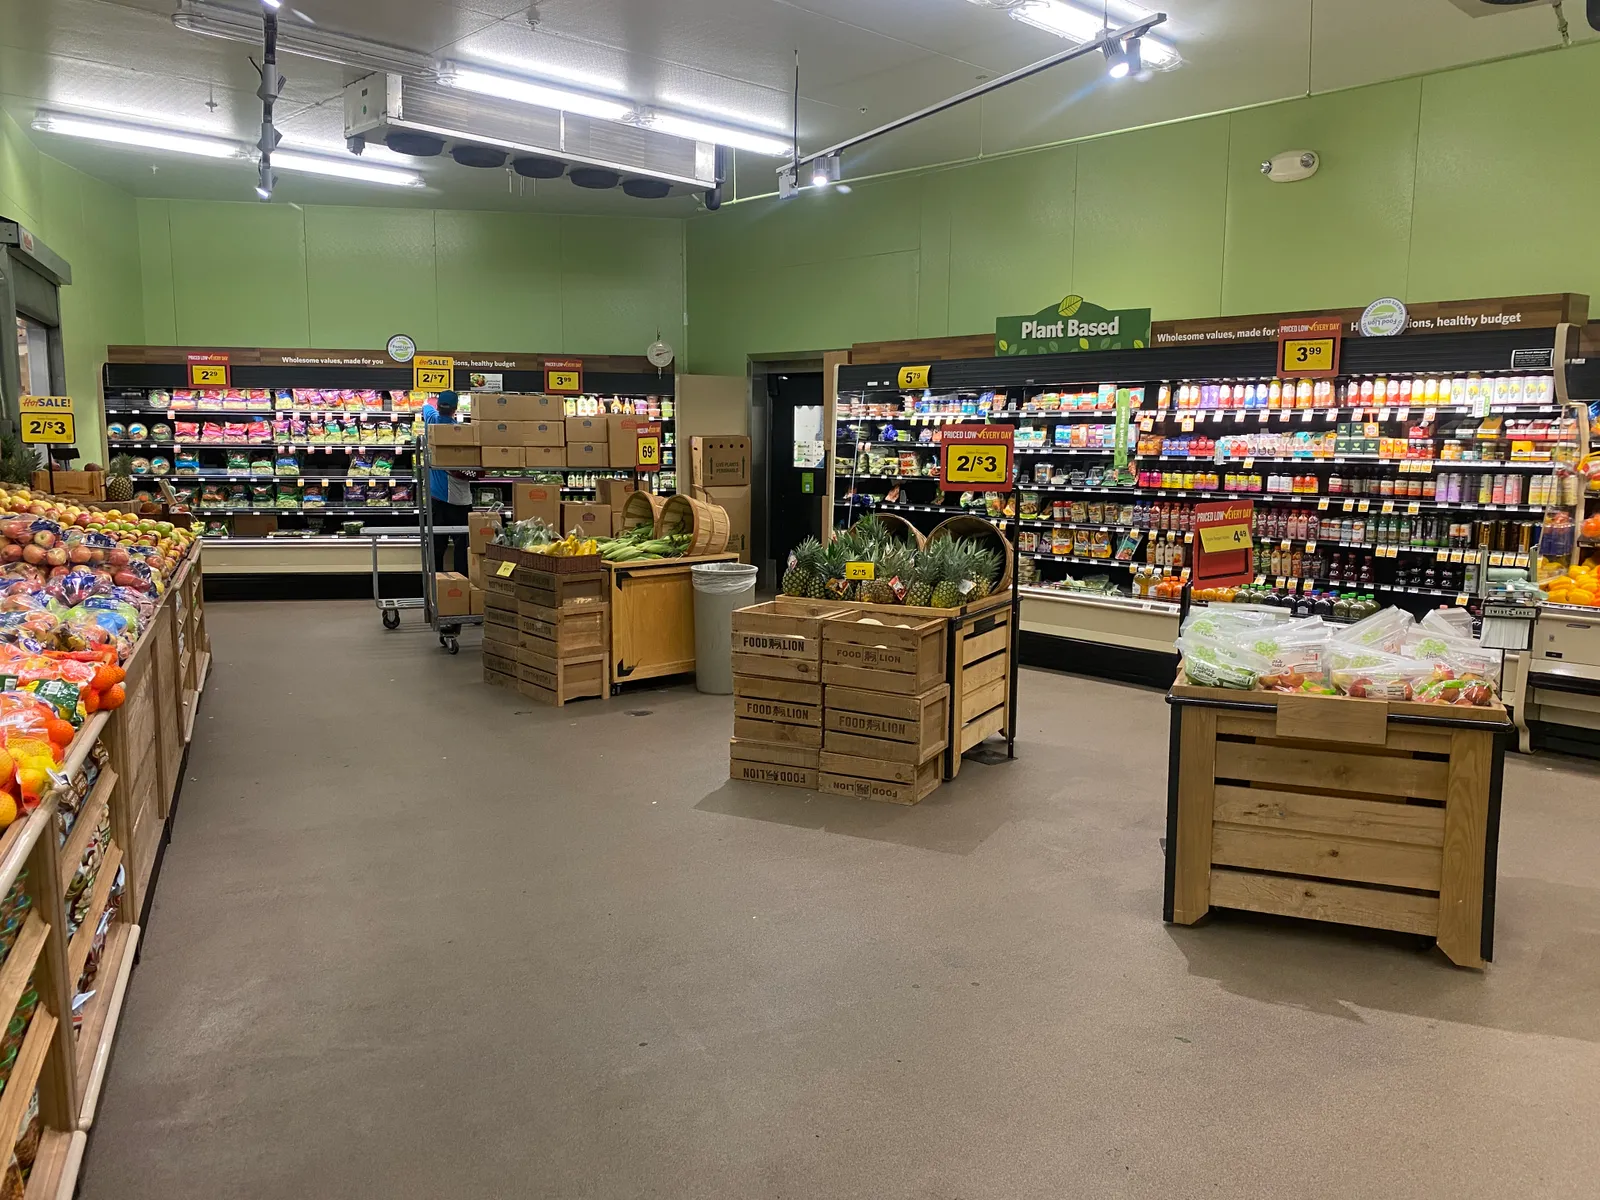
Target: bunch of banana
pixel 571 546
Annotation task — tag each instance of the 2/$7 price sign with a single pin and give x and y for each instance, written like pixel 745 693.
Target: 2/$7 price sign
pixel 976 458
pixel 433 373
pixel 48 421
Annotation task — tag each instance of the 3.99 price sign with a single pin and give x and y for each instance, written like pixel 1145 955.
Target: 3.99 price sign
pixel 1308 347
pixel 977 458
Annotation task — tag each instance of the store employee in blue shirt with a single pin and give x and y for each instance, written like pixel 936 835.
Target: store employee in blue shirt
pixel 449 493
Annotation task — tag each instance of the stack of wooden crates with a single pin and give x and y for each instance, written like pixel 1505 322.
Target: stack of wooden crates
pixel 886 710
pixel 777 692
pixel 839 699
pixel 548 634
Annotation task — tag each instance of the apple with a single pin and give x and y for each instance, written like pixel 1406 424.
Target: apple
pixel 10 553
pixel 80 554
pixel 33 553
pixel 56 556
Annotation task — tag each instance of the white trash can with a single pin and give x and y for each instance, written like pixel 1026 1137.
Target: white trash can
pixel 719 588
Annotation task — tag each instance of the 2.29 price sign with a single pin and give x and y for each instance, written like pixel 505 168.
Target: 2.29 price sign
pixel 977 458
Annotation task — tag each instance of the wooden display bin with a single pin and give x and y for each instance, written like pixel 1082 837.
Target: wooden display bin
pixel 652 618
pixel 1360 812
pixel 771 762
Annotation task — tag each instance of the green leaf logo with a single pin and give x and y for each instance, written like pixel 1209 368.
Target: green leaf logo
pixel 1070 306
pixel 1003 346
pixel 1138 344
pixel 1083 343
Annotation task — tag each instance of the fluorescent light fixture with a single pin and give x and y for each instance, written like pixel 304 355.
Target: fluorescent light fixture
pixel 352 169
pixel 274 5
pixel 526 91
pixel 117 133
pixel 524 69
pixel 1080 25
pixel 720 135
pixel 231 24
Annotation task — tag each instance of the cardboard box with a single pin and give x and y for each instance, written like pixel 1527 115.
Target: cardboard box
pixel 477 601
pixel 614 493
pixel 91 485
pixel 500 433
pixel 591 520
pixel 481 528
pixel 452 435
pixel 502 457
pixel 588 429
pixel 507 406
pixel 588 454
pixel 544 456
pixel 542 500
pixel 452 595
pixel 475 570
pixel 624 439
pixel 722 461
pixel 544 433
pixel 456 456
pixel 251 524
pixel 735 501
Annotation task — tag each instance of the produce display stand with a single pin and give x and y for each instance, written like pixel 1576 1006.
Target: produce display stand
pixel 546 624
pixel 1359 812
pixel 652 617
pixel 121 774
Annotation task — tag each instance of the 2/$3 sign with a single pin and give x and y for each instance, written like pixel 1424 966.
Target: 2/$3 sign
pixel 1074 326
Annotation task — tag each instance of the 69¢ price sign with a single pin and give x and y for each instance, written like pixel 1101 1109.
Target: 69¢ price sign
pixel 976 458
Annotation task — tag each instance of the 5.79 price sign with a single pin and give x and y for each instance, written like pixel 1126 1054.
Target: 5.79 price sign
pixel 977 458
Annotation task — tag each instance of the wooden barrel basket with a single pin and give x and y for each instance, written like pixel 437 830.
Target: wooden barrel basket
pixel 900 529
pixel 706 521
pixel 642 508
pixel 978 529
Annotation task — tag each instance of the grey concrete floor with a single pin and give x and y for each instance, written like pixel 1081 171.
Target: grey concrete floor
pixel 419 937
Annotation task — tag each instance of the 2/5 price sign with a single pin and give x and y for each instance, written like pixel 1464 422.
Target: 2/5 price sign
pixel 977 458
pixel 47 421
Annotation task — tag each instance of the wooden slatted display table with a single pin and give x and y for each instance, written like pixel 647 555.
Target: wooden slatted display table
pixel 652 617
pixel 1359 812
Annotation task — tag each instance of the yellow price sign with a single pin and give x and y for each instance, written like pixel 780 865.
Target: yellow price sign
pixel 201 375
pixel 1308 347
pixel 914 377
pixel 1308 354
pixel 860 570
pixel 433 373
pixel 47 420
pixel 648 456
pixel 979 464
pixel 506 568
pixel 563 376
pixel 1218 539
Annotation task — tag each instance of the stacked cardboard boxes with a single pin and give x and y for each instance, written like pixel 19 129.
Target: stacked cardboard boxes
pixel 563 632
pixel 720 474
pixel 454 446
pixel 887 716
pixel 777 692
pixel 482 527
pixel 500 636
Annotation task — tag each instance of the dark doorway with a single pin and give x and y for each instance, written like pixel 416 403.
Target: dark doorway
pixel 794 494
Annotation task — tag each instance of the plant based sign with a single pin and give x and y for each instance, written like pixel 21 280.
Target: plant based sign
pixel 1073 327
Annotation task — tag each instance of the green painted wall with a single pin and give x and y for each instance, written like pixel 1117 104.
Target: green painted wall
pixel 222 274
pixel 1471 182
pixel 95 228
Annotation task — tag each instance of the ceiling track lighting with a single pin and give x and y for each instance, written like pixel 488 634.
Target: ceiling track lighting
pixel 1125 42
pixel 271 88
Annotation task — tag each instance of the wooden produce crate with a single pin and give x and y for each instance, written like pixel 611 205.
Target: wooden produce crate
pixel 913 785
pixel 758 698
pixel 980 680
pixel 771 762
pixel 777 654
pixel 783 628
pixel 562 593
pixel 897 654
pixel 553 681
pixel 1360 812
pixel 568 635
pixel 652 618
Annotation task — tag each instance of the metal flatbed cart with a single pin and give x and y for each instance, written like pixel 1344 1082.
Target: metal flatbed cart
pixel 390 607
pixel 445 627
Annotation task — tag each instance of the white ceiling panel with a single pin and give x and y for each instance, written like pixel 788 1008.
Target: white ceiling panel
pixel 863 62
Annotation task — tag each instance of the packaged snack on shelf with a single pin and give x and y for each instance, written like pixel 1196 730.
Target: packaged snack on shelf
pixel 261 464
pixel 186 431
pixel 260 399
pixel 298 428
pixel 355 492
pixel 402 494
pixel 259 430
pixel 288 495
pixel 238 496
pixel 116 431
pixel 368 434
pixel 371 401
pixel 182 399
pixel 212 495
pixel 383 464
pixel 238 462
pixel 313 496
pixel 160 466
pixel 263 495
pixel 138 431
pixel 377 495
pixel 185 493
pixel 161 431
pixel 283 398
pixel 286 464
pixel 359 466
pixel 141 466
pixel 212 431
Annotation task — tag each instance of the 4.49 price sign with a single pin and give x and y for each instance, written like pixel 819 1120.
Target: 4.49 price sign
pixel 977 458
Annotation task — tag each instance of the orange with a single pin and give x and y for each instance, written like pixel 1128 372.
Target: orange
pixel 113 697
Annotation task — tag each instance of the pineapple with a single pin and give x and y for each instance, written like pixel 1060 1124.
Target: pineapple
pixel 983 568
pixel 805 575
pixel 119 479
pixel 837 554
pixel 924 577
pixel 892 561
pixel 952 573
